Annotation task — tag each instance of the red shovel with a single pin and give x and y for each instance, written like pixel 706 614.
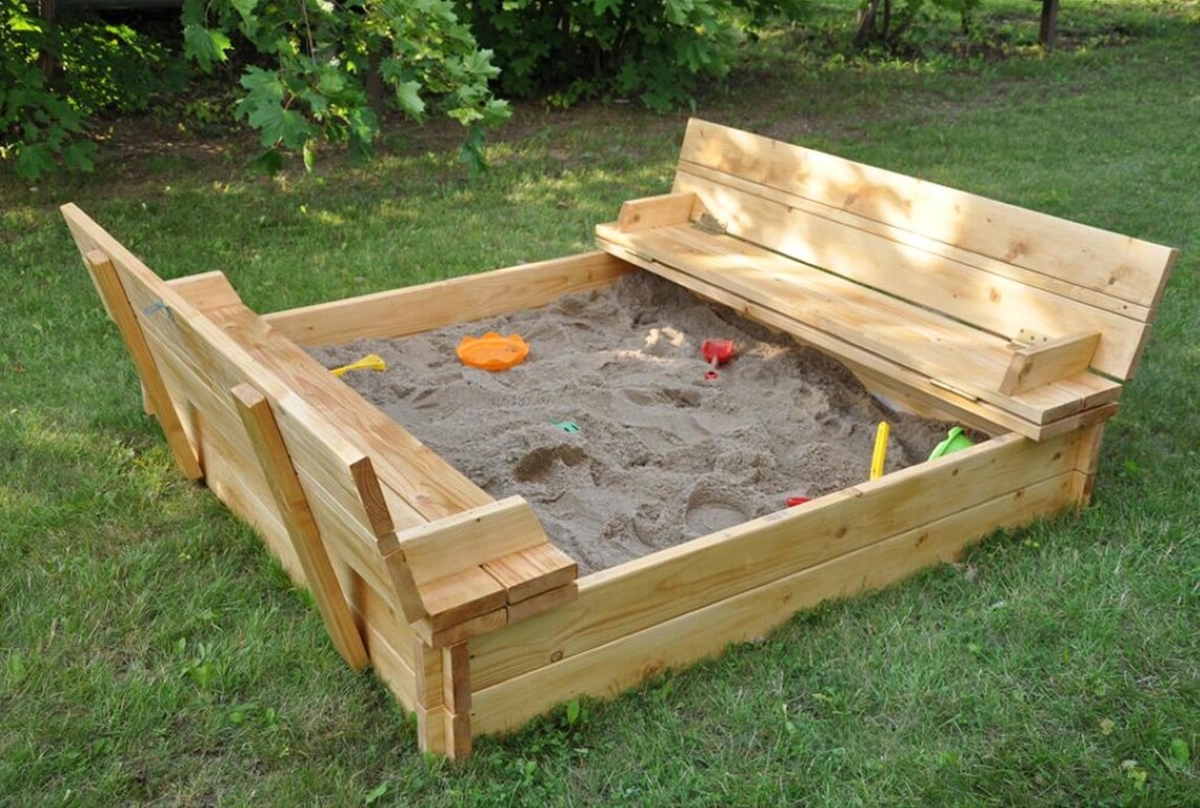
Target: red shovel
pixel 716 352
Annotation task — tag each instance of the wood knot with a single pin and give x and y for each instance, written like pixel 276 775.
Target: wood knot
pixel 556 656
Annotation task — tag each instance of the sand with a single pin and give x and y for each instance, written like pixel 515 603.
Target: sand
pixel 611 431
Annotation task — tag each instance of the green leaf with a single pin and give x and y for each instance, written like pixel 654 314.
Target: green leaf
pixel 204 45
pixel 279 125
pixel 32 161
pixel 408 96
pixel 244 8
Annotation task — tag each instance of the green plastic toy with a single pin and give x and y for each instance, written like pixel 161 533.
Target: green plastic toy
pixel 955 441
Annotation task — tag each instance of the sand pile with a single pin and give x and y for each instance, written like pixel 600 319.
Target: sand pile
pixel 611 431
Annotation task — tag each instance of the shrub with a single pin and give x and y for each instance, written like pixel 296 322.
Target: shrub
pixel 659 51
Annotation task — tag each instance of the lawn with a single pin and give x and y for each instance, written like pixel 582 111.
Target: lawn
pixel 152 653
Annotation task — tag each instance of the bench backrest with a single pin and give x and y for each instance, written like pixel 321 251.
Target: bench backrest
pixel 1010 271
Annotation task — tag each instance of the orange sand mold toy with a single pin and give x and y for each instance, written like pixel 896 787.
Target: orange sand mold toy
pixel 492 351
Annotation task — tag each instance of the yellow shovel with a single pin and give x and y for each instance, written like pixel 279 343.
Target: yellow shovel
pixel 881 440
pixel 368 362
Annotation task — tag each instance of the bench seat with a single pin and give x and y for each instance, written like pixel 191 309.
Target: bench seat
pixel 860 325
pixel 1008 318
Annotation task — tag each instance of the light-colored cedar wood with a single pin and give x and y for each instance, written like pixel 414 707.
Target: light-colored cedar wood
pixel 431 486
pixel 378 609
pixel 638 594
pixel 551 599
pixel 910 335
pixel 532 571
pixel 460 596
pixel 391 667
pixel 273 455
pixel 962 404
pixel 331 492
pixel 608 669
pixel 203 363
pixel 409 598
pixel 1109 263
pixel 456 677
pixel 429 666
pixel 990 301
pixel 105 277
pixel 471 538
pixel 940 254
pixel 459 743
pixel 244 349
pixel 1035 365
pixel 414 309
pixel 1088 462
pixel 655 211
pixel 206 291
pixel 460 632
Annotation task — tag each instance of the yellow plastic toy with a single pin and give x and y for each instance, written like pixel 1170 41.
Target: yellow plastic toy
pixel 368 362
pixel 881 439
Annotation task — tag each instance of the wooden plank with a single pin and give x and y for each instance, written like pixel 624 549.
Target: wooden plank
pixel 206 291
pixel 1088 462
pixel 458 734
pixel 461 632
pixel 415 309
pixel 456 598
pixel 1112 264
pixel 105 277
pixel 405 587
pixel 1035 365
pixel 530 572
pixel 197 370
pixel 471 537
pixel 277 466
pixel 544 602
pixel 203 364
pixel 655 211
pixel 392 669
pixel 609 669
pixel 784 301
pixel 662 585
pixel 431 486
pixel 456 677
pixel 954 256
pixel 989 301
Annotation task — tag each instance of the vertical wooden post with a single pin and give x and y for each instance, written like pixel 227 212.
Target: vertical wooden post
pixel 109 284
pixel 1087 462
pixel 272 453
pixel 431 723
pixel 456 694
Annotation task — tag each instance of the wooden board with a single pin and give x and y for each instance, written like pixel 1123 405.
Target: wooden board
pixel 1059 250
pixel 911 336
pixel 301 527
pixel 414 309
pixel 606 670
pixel 661 586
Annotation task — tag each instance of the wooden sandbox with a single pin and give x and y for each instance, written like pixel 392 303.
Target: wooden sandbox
pixel 1014 323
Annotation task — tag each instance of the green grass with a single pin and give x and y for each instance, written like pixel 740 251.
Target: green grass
pixel 151 653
